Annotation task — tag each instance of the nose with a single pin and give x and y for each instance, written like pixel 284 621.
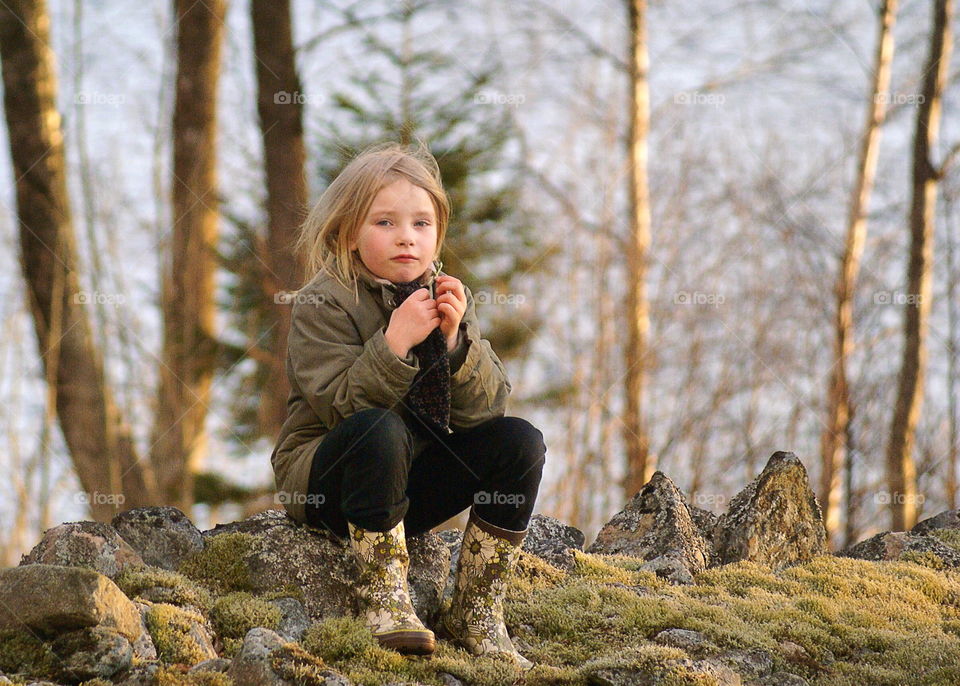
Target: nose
pixel 405 236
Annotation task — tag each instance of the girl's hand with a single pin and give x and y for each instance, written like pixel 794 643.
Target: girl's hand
pixel 412 322
pixel 451 304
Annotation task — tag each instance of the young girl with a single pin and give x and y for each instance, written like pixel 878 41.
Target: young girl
pixel 396 410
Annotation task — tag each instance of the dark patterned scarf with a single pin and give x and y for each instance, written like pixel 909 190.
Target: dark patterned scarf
pixel 429 394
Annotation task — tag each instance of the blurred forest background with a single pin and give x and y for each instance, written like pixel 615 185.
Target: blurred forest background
pixel 697 232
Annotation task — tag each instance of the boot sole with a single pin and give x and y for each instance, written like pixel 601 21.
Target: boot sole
pixel 409 642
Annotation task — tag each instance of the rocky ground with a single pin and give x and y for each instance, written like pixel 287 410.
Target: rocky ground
pixel 668 594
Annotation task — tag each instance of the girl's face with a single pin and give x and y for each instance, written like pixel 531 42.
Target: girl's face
pixel 398 238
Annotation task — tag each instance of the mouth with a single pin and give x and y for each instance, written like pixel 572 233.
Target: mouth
pixel 404 258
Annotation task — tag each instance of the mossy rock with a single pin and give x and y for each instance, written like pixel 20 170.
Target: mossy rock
pixel 22 652
pixel 179 635
pixel 269 555
pixel 291 662
pixel 163 586
pixel 221 566
pixel 177 676
pixel 235 614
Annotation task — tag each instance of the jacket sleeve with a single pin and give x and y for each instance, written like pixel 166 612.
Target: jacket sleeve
pixel 336 370
pixel 479 387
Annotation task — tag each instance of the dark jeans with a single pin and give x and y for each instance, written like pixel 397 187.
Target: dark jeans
pixel 364 471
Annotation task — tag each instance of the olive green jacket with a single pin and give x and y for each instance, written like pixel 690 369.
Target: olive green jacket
pixel 338 363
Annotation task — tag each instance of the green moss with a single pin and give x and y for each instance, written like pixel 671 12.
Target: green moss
pixel 347 638
pixel 925 558
pixel 97 682
pixel 531 572
pixel 739 578
pixel 170 627
pixel 347 645
pixel 661 662
pixel 949 537
pixel 25 653
pixel 613 569
pixel 163 586
pixel 231 646
pixel 221 566
pixel 291 662
pixel 177 676
pixel 235 614
pixel 482 671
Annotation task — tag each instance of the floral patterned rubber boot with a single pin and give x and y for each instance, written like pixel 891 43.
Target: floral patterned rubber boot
pixel 383 593
pixel 488 555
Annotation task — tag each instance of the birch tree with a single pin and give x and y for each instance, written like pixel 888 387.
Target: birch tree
pixel 833 440
pixel 100 445
pixel 188 356
pixel 900 468
pixel 638 468
pixel 280 106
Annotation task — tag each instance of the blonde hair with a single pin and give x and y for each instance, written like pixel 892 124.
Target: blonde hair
pixel 335 219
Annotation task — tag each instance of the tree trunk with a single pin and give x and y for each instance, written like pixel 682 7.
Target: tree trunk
pixel 638 468
pixel 833 440
pixel 952 371
pixel 279 104
pixel 901 471
pixel 99 442
pixel 189 348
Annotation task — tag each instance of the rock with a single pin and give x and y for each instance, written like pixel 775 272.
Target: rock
pixel 139 675
pixel 750 664
pixel 277 553
pixel 673 569
pixel 693 642
pixel 948 519
pixel 427 577
pixel 267 660
pixel 83 544
pixel 551 540
pixel 782 679
pixel 796 654
pixel 181 636
pixel 623 671
pixel 91 652
pixel 163 536
pixel 143 648
pixel 656 526
pixel 775 520
pixel 721 673
pixel 218 664
pixel 294 620
pixel 451 538
pixel 903 545
pixel 704 520
pixel 51 599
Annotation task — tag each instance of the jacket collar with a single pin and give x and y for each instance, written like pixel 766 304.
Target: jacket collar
pixel 386 287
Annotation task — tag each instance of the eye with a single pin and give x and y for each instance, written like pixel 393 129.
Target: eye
pixel 382 222
pixel 424 222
